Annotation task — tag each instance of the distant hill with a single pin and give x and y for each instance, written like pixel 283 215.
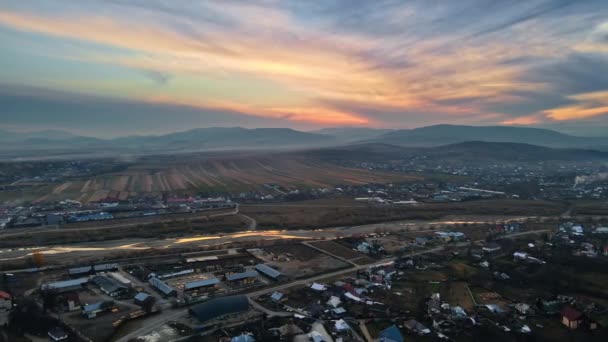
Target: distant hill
pixel 200 139
pixel 480 150
pixel 359 140
pixel 352 134
pixel 450 134
pixel 227 137
pixel 465 151
pixel 46 135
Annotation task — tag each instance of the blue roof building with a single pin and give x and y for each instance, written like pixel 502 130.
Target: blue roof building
pixel 66 285
pixel 391 334
pixel 162 286
pixel 74 271
pixel 243 338
pixel 268 271
pixel 242 275
pixel 142 297
pixel 201 283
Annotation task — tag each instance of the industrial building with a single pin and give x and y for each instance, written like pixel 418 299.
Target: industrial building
pixel 270 272
pixel 66 285
pixel 243 278
pixel 110 286
pixel 201 284
pixel 162 287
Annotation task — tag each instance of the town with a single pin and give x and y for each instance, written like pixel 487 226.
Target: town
pixel 510 281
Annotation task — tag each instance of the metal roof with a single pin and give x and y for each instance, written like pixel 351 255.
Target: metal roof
pixel 108 285
pixel 391 334
pixel 242 275
pixel 105 267
pixel 97 306
pixel 65 283
pixel 142 296
pixel 161 286
pixel 79 270
pixel 276 295
pixel 176 274
pixel 268 271
pixel 202 258
pixel 201 283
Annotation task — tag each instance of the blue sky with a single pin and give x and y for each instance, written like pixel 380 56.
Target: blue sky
pixel 109 68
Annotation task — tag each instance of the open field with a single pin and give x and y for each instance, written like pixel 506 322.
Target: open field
pixel 303 260
pixel 346 216
pixel 590 208
pixel 343 252
pixel 156 230
pixel 213 173
pixel 319 214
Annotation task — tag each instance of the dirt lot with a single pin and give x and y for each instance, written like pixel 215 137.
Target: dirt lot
pixel 393 242
pixel 99 328
pixel 456 293
pixel 304 261
pixel 343 252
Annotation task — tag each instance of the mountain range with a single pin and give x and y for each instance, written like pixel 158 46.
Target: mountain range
pixel 237 138
pixel 469 151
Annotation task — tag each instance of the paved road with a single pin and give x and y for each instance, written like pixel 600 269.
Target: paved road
pixel 267 311
pixel 364 330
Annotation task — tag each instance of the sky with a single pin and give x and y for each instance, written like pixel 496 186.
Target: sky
pixel 120 67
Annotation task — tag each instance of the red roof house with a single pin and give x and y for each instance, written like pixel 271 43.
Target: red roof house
pixel 571 317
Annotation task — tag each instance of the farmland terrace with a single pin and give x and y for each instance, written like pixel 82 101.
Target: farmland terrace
pixel 232 172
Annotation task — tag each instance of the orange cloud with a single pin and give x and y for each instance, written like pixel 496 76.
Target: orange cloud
pixel 522 120
pixel 321 67
pixel 589 105
pixel 309 114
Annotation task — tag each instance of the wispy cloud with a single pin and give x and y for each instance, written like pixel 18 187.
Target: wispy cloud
pixel 345 62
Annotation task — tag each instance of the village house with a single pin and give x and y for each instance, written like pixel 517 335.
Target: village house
pixel 571 317
pixel 57 334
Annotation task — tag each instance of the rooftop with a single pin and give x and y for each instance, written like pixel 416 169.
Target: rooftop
pixel 201 283
pixel 142 296
pixel 242 275
pixel 65 283
pixel 571 314
pixel 161 286
pixel 267 270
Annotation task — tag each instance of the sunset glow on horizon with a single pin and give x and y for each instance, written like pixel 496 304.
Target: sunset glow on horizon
pixel 302 64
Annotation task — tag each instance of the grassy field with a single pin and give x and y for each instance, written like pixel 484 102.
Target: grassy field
pixel 590 208
pixel 343 252
pixel 179 227
pixel 318 214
